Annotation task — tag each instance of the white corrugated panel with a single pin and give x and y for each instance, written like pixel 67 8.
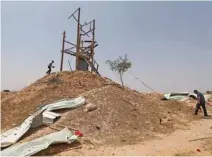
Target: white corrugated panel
pixel 52 113
pixel 49 117
pixel 12 136
pixel 35 146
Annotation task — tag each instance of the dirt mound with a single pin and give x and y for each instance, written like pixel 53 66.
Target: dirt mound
pixel 6 95
pixel 125 116
pixel 46 90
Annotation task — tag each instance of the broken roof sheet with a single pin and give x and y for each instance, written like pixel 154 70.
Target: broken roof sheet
pixel 183 96
pixel 37 119
pixel 49 117
pixel 11 136
pixel 179 96
pixel 35 146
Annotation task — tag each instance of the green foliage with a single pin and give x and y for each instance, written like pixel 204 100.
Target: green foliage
pixel 120 65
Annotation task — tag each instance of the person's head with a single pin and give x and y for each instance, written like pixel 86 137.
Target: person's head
pixel 52 61
pixel 196 91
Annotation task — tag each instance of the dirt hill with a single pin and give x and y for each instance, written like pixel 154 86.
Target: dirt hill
pixel 126 116
pixel 46 90
pixel 123 116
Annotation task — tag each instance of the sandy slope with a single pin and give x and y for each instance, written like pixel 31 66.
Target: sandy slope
pixel 123 119
pixel 178 143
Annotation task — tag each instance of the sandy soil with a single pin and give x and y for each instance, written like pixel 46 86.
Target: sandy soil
pixel 45 90
pixel 182 142
pixel 175 144
pixel 125 122
pixel 123 116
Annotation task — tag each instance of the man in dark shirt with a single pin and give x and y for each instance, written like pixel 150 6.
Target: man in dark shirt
pixel 50 67
pixel 200 102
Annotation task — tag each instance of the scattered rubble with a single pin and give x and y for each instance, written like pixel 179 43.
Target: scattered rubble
pixel 90 107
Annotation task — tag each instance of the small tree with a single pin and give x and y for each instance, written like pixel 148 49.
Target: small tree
pixel 120 65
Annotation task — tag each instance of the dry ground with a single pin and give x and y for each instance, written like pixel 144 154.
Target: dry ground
pixel 123 121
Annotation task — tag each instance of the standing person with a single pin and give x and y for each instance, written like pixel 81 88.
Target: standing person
pixel 200 102
pixel 50 68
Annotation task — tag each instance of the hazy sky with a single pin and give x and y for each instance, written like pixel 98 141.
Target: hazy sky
pixel 169 43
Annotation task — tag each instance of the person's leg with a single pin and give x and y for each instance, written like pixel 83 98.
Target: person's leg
pixel 196 109
pixel 49 71
pixel 204 109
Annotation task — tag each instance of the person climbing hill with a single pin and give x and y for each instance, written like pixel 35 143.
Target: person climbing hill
pixel 50 66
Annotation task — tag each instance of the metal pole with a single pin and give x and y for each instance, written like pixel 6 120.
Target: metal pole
pixel 73 14
pixel 78 41
pixel 69 65
pixel 82 46
pixel 62 51
pixel 92 48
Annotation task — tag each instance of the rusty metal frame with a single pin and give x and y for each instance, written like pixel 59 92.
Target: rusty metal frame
pixel 86 52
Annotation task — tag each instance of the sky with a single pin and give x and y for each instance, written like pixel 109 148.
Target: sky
pixel 168 43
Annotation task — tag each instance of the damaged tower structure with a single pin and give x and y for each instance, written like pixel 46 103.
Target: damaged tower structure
pixel 83 50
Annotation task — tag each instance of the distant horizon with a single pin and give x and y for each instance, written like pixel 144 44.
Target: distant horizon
pixel 169 43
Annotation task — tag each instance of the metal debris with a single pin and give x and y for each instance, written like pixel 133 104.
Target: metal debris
pixel 11 136
pixel 184 96
pixel 42 116
pixel 49 117
pixel 35 146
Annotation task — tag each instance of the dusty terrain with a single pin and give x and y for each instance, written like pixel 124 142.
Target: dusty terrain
pixel 184 142
pixel 123 121
pixel 125 114
pixel 45 90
